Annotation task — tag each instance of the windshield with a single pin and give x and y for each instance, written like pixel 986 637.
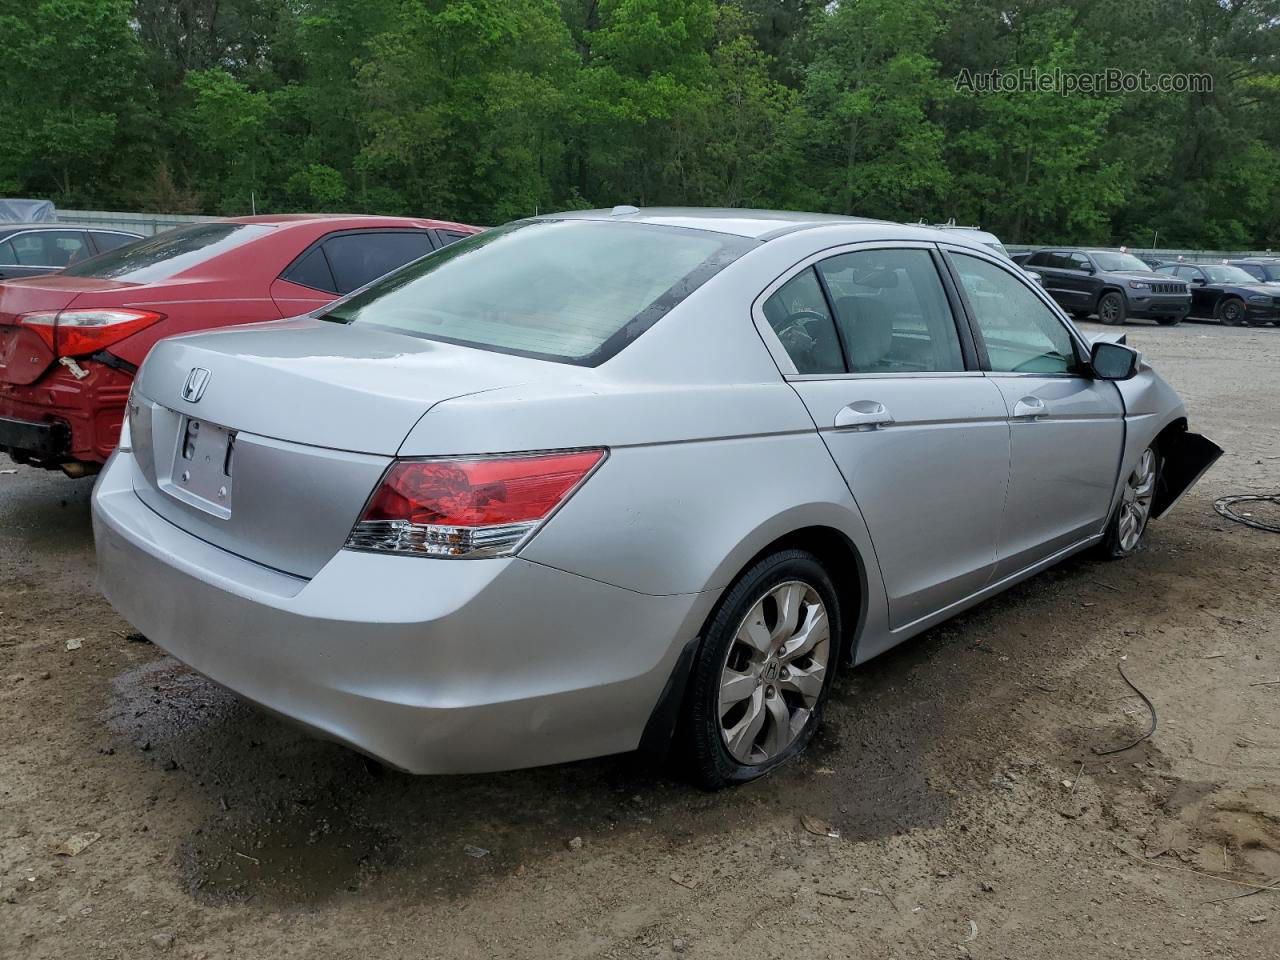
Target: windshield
pixel 1227 274
pixel 1119 262
pixel 998 247
pixel 575 291
pixel 166 254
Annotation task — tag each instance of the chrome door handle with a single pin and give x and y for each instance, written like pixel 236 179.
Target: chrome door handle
pixel 863 415
pixel 1028 408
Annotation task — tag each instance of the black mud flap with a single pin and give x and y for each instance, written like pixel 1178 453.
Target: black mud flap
pixel 1186 457
pixel 655 743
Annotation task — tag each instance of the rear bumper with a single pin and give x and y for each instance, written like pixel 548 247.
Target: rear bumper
pixel 72 419
pixel 48 441
pixel 433 666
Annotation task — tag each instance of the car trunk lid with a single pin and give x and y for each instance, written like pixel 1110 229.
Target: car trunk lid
pixel 295 423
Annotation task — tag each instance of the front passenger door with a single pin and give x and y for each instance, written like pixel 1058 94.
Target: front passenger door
pixel 1066 429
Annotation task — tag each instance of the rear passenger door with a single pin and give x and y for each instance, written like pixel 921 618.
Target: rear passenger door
pixel 344 261
pixel 869 340
pixel 1079 286
pixel 1066 429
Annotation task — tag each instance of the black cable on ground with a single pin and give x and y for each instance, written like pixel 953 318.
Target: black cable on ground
pixel 1150 706
pixel 1224 505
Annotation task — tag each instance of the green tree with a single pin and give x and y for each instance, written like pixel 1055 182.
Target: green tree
pixel 872 90
pixel 462 104
pixel 75 118
pixel 1033 165
pixel 228 121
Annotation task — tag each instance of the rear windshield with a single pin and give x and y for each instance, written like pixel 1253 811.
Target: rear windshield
pixel 574 291
pixel 167 254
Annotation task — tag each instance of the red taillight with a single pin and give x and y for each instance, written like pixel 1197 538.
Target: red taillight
pixel 74 333
pixel 478 506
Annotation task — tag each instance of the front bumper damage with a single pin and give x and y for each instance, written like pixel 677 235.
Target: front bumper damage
pixel 1186 458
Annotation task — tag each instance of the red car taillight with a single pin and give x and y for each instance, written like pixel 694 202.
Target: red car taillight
pixel 74 333
pixel 468 507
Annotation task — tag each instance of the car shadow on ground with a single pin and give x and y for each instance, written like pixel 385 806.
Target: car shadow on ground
pixel 286 819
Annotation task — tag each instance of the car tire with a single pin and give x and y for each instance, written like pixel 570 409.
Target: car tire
pixel 1231 312
pixel 1112 308
pixel 748 710
pixel 1128 523
pixel 1168 321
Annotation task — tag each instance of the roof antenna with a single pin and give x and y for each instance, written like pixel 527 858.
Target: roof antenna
pixel 624 210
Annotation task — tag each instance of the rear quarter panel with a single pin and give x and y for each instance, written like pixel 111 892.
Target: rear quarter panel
pixel 712 455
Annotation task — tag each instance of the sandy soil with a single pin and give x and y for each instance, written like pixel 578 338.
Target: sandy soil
pixel 974 817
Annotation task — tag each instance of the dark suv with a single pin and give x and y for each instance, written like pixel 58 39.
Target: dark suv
pixel 1115 286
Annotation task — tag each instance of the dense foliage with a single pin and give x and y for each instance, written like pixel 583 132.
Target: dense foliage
pixel 485 110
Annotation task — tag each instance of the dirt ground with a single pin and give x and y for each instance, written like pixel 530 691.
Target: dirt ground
pixel 974 817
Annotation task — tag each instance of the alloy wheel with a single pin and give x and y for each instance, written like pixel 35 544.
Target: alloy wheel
pixel 1135 504
pixel 774 672
pixel 1109 309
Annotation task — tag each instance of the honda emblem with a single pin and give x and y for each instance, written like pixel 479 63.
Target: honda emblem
pixel 197 380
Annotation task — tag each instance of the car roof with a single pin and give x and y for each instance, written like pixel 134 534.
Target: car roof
pixel 753 224
pixel 351 219
pixel 13 226
pixel 984 236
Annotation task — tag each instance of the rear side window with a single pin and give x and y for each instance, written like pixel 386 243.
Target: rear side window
pixel 1021 334
pixel 892 312
pixel 169 253
pixel 575 291
pixel 49 248
pixel 109 241
pixel 7 257
pixel 451 236
pixel 798 313
pixel 360 258
pixel 312 271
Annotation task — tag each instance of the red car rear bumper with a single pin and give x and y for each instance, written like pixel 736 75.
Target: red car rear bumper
pixel 59 419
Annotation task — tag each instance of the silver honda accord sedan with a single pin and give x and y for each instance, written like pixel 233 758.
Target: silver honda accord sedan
pixel 609 480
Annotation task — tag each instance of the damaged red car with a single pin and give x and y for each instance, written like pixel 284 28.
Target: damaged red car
pixel 70 342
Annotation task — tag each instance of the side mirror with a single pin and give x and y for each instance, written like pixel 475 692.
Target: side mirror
pixel 1199 281
pixel 1089 268
pixel 1113 361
